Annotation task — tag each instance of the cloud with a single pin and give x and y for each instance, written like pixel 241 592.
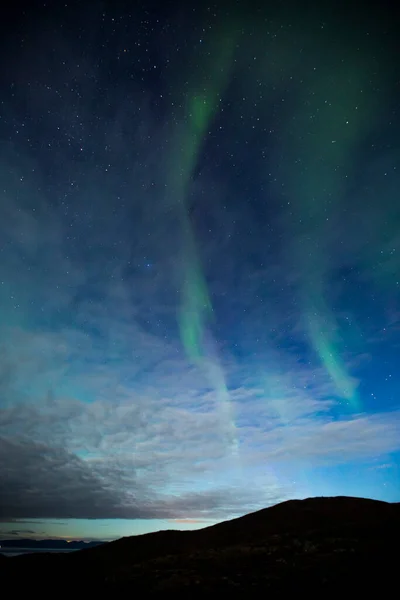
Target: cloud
pixel 42 482
pixel 20 532
pixel 190 521
pixel 162 450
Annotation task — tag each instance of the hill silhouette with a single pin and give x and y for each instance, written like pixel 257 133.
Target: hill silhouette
pixel 319 544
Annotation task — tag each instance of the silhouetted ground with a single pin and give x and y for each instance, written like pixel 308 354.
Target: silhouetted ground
pixel 316 546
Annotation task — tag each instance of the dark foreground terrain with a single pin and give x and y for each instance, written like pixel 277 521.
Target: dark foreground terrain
pixel 316 546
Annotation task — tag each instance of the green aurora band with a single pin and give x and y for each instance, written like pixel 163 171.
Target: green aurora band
pixel 202 98
pixel 332 111
pixel 328 115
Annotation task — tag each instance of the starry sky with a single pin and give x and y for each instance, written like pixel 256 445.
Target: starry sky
pixel 199 262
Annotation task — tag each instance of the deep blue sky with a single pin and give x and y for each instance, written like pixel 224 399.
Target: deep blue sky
pixel 199 263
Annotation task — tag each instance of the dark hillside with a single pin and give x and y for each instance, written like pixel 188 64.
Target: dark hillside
pixel 319 544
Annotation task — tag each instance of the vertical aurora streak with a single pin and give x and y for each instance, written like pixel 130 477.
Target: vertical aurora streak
pixel 336 107
pixel 201 103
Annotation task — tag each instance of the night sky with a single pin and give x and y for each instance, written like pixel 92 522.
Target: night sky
pixel 199 262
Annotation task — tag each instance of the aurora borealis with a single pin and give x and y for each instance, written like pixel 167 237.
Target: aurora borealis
pixel 200 263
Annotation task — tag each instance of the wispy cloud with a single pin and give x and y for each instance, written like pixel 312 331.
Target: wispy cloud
pixel 161 450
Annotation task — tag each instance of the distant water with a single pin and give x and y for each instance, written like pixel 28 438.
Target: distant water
pixel 18 551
